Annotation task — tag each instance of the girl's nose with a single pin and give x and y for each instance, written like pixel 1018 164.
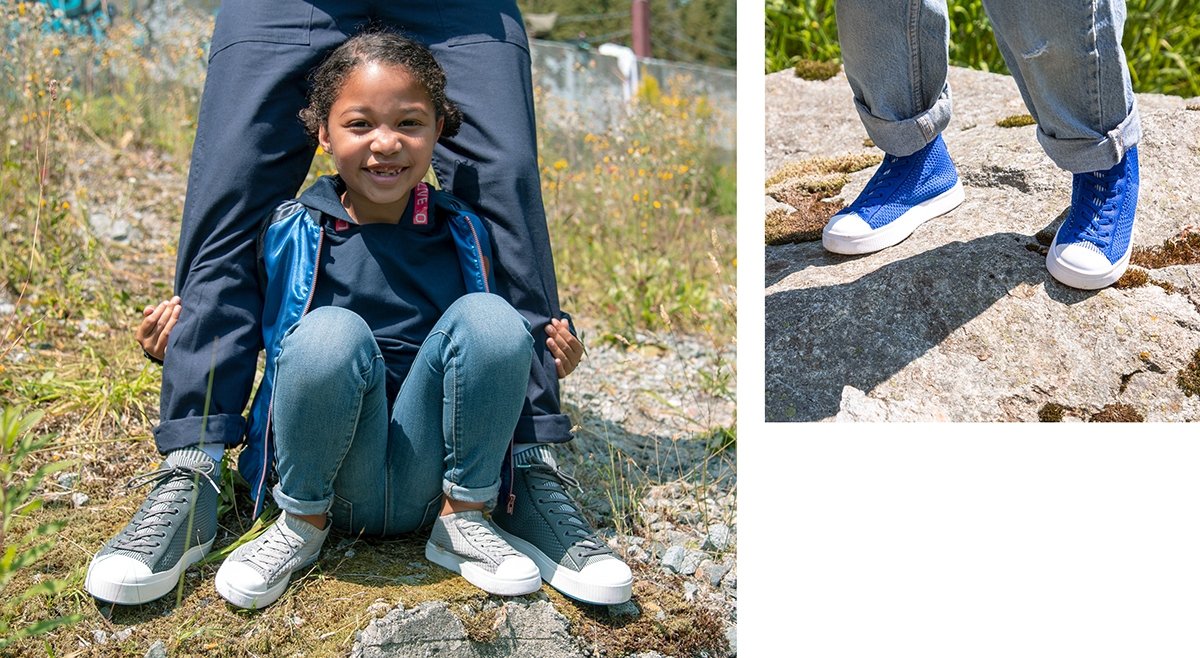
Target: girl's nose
pixel 386 140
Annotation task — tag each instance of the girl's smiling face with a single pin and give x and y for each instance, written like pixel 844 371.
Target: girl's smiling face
pixel 380 133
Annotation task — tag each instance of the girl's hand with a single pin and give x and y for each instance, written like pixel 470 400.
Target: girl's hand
pixel 157 322
pixel 564 346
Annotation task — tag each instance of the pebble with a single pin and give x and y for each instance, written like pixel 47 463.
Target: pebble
pixel 79 499
pixel 689 591
pixel 99 636
pixel 717 539
pixel 691 562
pixel 673 558
pixel 626 609
pixel 157 650
pixel 123 634
pixel 67 480
pixel 714 573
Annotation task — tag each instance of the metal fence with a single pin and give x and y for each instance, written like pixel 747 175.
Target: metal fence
pixel 594 87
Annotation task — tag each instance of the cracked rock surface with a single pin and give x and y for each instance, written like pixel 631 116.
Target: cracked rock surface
pixel 962 322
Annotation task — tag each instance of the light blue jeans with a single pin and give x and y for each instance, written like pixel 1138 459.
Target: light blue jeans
pixel 1066 58
pixel 383 472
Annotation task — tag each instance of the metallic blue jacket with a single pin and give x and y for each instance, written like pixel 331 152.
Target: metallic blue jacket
pixel 289 247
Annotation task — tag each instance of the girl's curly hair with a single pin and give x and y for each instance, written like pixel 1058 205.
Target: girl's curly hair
pixel 326 81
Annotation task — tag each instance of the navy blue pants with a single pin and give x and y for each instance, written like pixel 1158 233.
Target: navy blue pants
pixel 251 152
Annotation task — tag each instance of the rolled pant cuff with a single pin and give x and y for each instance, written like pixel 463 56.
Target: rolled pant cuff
pixel 907 136
pixel 296 506
pixel 1081 155
pixel 226 429
pixel 486 495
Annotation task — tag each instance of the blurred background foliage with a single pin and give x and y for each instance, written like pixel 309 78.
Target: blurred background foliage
pixel 1161 40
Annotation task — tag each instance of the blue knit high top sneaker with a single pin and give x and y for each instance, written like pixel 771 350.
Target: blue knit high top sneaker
pixel 904 193
pixel 1092 247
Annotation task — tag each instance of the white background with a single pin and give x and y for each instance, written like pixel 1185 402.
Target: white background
pixel 949 540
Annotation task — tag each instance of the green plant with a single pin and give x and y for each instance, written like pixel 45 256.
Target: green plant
pixel 1161 40
pixel 640 213
pixel 18 444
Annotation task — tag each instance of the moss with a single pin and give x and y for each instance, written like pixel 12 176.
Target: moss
pixel 813 70
pixel 481 626
pixel 1183 249
pixel 1016 121
pixel 1051 412
pixel 1193 106
pixel 1165 285
pixel 1132 278
pixel 844 164
pixel 1117 412
pixel 666 622
pixel 804 225
pixel 869 143
pixel 1189 377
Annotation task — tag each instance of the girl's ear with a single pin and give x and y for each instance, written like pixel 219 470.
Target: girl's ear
pixel 441 122
pixel 323 138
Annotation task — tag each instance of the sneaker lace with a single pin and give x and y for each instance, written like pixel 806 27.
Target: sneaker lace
pixel 486 539
pixel 881 185
pixel 275 548
pixel 171 487
pixel 1098 211
pixel 546 478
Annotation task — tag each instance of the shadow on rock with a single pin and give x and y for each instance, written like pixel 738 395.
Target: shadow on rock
pixel 819 340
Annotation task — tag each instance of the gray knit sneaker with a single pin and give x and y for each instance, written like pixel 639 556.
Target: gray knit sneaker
pixel 173 529
pixel 467 544
pixel 546 525
pixel 256 573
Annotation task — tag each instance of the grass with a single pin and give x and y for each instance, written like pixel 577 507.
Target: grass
pixel 106 128
pixel 1161 40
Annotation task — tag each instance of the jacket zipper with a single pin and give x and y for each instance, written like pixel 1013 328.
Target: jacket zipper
pixel 271 405
pixel 483 264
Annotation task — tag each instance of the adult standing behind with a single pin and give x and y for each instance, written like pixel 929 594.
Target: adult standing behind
pixel 1067 61
pixel 250 153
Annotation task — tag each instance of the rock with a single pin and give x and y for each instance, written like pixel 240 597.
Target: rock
pixel 67 480
pixel 123 634
pixel 962 322
pixel 99 636
pixel 717 538
pixel 520 629
pixel 157 650
pixel 731 637
pixel 713 573
pixel 729 582
pixel 673 559
pixel 689 591
pixel 79 499
pixel 105 226
pixel 691 562
pixel 622 610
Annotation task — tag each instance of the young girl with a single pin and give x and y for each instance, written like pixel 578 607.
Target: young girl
pixel 394 377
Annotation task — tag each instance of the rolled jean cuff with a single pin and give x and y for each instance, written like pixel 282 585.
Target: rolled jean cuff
pixel 1081 155
pixel 907 136
pixel 486 495
pixel 296 506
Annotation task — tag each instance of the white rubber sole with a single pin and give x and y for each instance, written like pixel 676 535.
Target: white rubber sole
pixel 126 591
pixel 249 598
pixel 568 581
pixel 894 232
pixel 1086 280
pixel 479 577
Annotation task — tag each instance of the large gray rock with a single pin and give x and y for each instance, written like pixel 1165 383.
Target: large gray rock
pixel 523 629
pixel 961 321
